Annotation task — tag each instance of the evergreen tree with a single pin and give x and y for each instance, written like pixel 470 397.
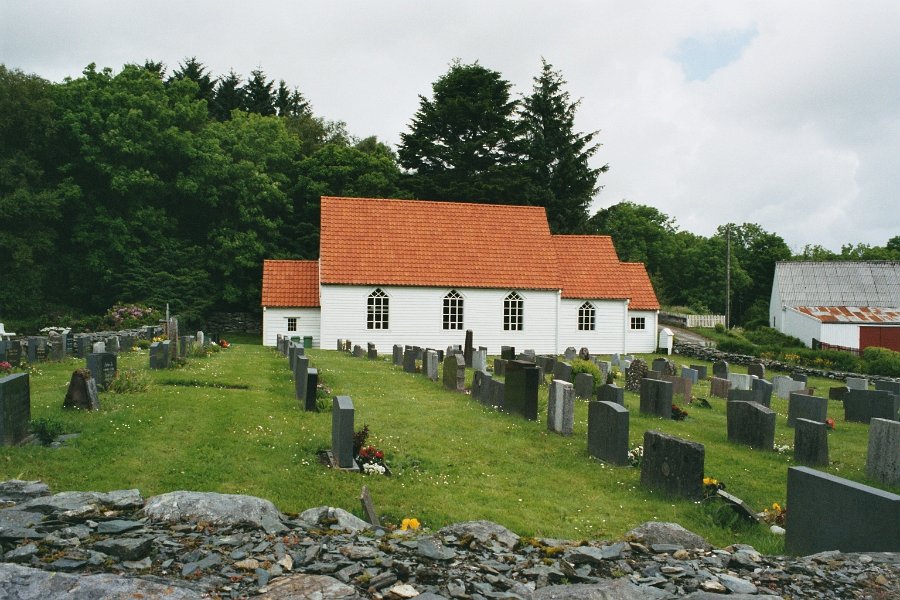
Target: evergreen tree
pixel 259 96
pixel 229 97
pixel 290 103
pixel 556 156
pixel 195 71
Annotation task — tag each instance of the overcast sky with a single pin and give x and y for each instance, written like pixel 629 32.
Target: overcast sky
pixel 785 114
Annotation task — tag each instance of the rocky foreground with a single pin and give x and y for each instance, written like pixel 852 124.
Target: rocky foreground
pixel 205 545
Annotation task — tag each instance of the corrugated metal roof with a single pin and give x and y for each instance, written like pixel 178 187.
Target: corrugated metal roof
pixel 838 283
pixel 852 314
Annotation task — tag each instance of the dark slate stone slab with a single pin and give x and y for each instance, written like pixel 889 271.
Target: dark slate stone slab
pixel 720 369
pixel 584 385
pixel 838 393
pixel 301 368
pixel 15 408
pixel 563 370
pixel 371 351
pixel 810 442
pixel 611 393
pixel 701 371
pixel 469 348
pixel 804 406
pixel 608 432
pixel 409 359
pixel 689 373
pixel 159 355
pixel 481 386
pixel 508 352
pixel 883 385
pixel 855 518
pixel 757 369
pixel 397 356
pixel 751 424
pixel 500 367
pixel 656 398
pixel 740 395
pixel 497 397
pixel 342 431
pixel 672 465
pixel 310 403
pixel 863 405
pixel 103 366
pixel 801 377
pixel 762 391
pixel 521 394
pixel 454 372
pixel 719 387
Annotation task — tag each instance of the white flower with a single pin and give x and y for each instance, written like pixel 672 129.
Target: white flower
pixel 369 468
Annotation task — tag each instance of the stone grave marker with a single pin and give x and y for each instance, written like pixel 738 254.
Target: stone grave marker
pixel 14 353
pixel 397 356
pixel 584 385
pixel 469 348
pixel 172 334
pixel 81 345
pixel 497 394
pixel 635 372
pixel 681 386
pixel 740 381
pixel 751 424
pixel 570 353
pixel 508 352
pixel 159 355
pixel 342 432
pixel 740 395
pixel 701 371
pixel 57 349
pixel 651 374
pixel 756 370
pixel 521 393
pixel 672 465
pixel 783 386
pixel 409 359
pixel 99 348
pixel 720 369
pixel 15 408
pixel 311 397
pixel 561 408
pixel 82 391
pixel 855 517
pixel 500 367
pixel 656 398
pixel 883 457
pixel 801 377
pixel 301 373
pixel 183 345
pixel 838 393
pixel 340 345
pixel 762 392
pixel 441 355
pixel 857 383
pixel 358 352
pixel 529 355
pixel 113 345
pixel 608 424
pixel 689 373
pixel 605 368
pixel 103 366
pixel 371 351
pixel 563 371
pixel 863 405
pixel 201 339
pixel 479 359
pixel 805 406
pixel 810 442
pixel 431 365
pixel 3 345
pixel 69 344
pixel 719 387
pixel 611 393
pixel 454 372
pixel 584 353
pixel 893 387
pixel 666 366
pixel 480 386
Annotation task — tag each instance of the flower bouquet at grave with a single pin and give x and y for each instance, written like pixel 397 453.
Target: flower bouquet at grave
pixel 224 344
pixel 711 486
pixel 371 461
pixel 774 515
pixel 829 423
pixel 678 413
pixel 5 368
pixel 636 456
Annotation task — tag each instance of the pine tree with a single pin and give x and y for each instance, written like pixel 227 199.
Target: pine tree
pixel 229 96
pixel 290 103
pixel 259 95
pixel 195 71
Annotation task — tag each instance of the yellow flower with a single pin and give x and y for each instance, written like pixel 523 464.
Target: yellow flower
pixel 710 481
pixel 410 524
pixel 776 506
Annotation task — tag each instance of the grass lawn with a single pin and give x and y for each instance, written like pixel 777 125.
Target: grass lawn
pixel 229 423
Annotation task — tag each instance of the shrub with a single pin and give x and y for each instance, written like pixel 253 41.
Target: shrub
pixel 881 361
pixel 127 316
pixel 142 344
pixel 46 430
pixel 737 345
pixel 829 359
pixel 772 338
pixel 586 366
pixel 129 381
pixel 719 328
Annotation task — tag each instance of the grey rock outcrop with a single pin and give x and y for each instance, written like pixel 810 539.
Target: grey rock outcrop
pixel 214 508
pixel 21 583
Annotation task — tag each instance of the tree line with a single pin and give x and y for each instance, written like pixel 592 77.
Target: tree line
pixel 146 187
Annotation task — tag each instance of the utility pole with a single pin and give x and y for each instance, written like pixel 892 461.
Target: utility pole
pixel 728 276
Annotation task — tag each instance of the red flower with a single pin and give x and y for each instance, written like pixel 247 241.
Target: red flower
pixel 379 454
pixel 829 423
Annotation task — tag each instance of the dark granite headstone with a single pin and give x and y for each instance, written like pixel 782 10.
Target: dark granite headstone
pixel 832 513
pixel 751 424
pixel 584 353
pixel 82 391
pixel 740 395
pixel 838 393
pixel 371 351
pixel 660 365
pixel 57 349
pixel 409 359
pixel 159 355
pixel 397 357
pixel 342 431
pixel 14 353
pixel 480 386
pixel 521 395
pixel 546 363
pixel 561 408
pixel 810 442
pixel 15 408
pixel 584 385
pixel 611 393
pixel 656 398
pixel 863 405
pixel 500 367
pixel 720 369
pixel 563 370
pixel 689 373
pixel 172 334
pixel 358 352
pixel 801 377
pixel 469 348
pixel 508 352
pixel 608 432
pixel 497 394
pixel 103 366
pixel 757 370
pixel 301 372
pixel 672 465
pixel 69 344
pixel 803 406
pixel 454 372
pixel 762 391
pixel 883 385
pixel 310 398
pixel 719 387
pixel 701 371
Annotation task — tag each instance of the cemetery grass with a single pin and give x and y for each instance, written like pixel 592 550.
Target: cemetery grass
pixel 229 423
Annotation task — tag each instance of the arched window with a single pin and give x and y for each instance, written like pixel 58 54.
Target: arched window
pixel 586 317
pixel 512 312
pixel 377 310
pixel 453 310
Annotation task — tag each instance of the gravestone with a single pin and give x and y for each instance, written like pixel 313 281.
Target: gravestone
pixel 863 405
pixel 431 365
pixel 756 370
pixel 358 352
pixel 201 339
pixel 371 351
pixel 720 369
pixel 311 397
pixel 801 377
pixel 409 359
pixel 397 356
pixel 561 408
pixel 740 381
pixel 454 372
pixel 672 465
pixel 294 350
pixel 608 432
pixel 701 371
pixel 762 392
pixel 783 386
pixel 689 373
pixel 751 424
pixel 611 393
pixel 605 368
pixel 342 431
pixel 656 398
pixel 103 366
pixel 680 385
pixel 497 394
pixel 855 517
pixel 651 374
pixel 838 393
pixel 37 349
pixel 563 371
pixel 883 385
pixel 810 442
pixel 301 373
pixel 82 391
pixel 528 355
pixel 883 457
pixel 740 395
pixel 15 408
pixel 508 352
pixel 719 387
pixel 500 367
pixel 804 406
pixel 479 359
pixel 159 355
pixel 14 352
pixel 480 386
pixel 69 344
pixel 664 366
pixel 3 345
pixel 469 348
pixel 57 349
pixel 113 345
pixel 172 334
pixel 441 355
pixel 340 345
pixel 584 385
pixel 635 372
pixel 521 394
pixel 857 383
pixel 570 353
pixel 584 353
pixel 98 348
pixel 184 344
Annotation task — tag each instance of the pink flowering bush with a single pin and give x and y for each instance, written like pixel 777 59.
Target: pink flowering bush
pixel 126 316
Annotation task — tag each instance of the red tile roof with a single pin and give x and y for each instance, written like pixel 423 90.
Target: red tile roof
pixel 293 283
pixel 642 295
pixel 443 244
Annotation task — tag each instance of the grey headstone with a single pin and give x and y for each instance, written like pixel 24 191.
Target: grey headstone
pixel 15 408
pixel 371 351
pixel 469 348
pixel 159 355
pixel 701 371
pixel 570 353
pixel 883 457
pixel 561 408
pixel 857 383
pixel 454 372
pixel 656 398
pixel 201 339
pixel 481 386
pixel 358 352
pixel 810 442
pixel 184 342
pixel 431 365
pixel 14 353
pixel 672 465
pixel 500 367
pixel 855 517
pixel 719 387
pixel 397 356
pixel 751 424
pixel 801 377
pixel 497 394
pixel 605 368
pixel 756 370
pixel 611 393
pixel 720 369
pixel 521 394
pixel 888 386
pixel 740 381
pixel 409 359
pixel 608 431
pixel 838 393
pixel 508 352
pixel 563 370
pixel 863 405
pixel 762 392
pixel 783 386
pixel 740 395
pixel 82 391
pixel 342 431
pixel 584 385
pixel 689 373
pixel 310 398
pixel 660 365
pixel 103 366
pixel 479 359
pixel 301 371
pixel 804 406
